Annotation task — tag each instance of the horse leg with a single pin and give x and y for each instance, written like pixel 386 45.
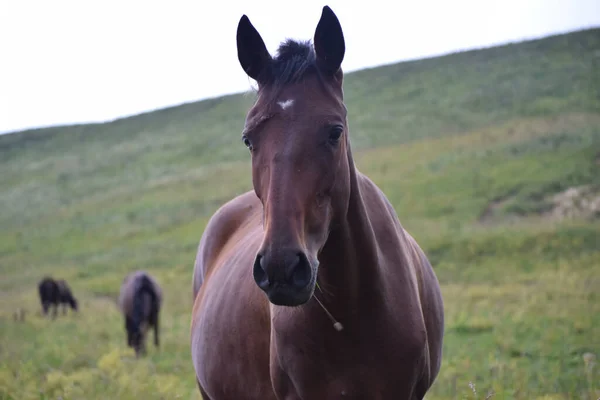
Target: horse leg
pixel 143 345
pixel 156 340
pixel 64 309
pixel 128 330
pixel 54 311
pixel 156 329
pixel 422 387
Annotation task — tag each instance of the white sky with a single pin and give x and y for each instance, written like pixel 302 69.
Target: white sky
pixel 81 61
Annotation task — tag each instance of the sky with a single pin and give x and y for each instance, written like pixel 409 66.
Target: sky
pixel 64 62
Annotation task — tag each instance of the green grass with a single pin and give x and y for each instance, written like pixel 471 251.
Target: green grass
pixel 468 148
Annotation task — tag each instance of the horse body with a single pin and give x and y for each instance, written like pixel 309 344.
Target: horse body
pixel 140 300
pixel 55 292
pixel 311 217
pixel 298 348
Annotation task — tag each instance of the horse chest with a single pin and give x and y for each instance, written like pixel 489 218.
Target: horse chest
pixel 377 367
pixel 341 384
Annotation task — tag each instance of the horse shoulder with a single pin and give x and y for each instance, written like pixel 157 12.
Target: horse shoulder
pixel 432 306
pixel 224 258
pixel 221 229
pixel 388 230
pixel 426 284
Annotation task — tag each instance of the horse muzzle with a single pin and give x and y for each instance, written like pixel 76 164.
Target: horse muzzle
pixel 287 277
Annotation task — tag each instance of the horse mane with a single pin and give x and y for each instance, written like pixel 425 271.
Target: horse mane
pixel 293 61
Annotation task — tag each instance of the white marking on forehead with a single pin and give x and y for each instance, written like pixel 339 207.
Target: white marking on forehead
pixel 286 104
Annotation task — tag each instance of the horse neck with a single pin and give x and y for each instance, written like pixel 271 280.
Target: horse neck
pixel 350 269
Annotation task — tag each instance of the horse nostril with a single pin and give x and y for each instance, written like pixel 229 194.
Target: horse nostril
pixel 259 273
pixel 301 271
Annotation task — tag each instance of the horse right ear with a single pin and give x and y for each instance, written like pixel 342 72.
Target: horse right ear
pixel 252 52
pixel 329 42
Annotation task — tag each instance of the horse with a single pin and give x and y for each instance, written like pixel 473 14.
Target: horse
pixel 140 300
pixel 56 292
pixel 308 286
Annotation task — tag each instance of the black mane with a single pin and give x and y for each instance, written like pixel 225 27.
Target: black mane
pixel 293 62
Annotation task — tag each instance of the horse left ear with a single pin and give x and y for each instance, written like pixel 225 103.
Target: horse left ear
pixel 329 42
pixel 252 51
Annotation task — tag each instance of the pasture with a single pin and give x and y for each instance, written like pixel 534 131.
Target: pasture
pixel 490 157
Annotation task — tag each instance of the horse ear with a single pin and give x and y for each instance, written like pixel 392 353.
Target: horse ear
pixel 329 42
pixel 252 52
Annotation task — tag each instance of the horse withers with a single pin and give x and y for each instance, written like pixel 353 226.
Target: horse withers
pixel 308 287
pixel 54 293
pixel 140 300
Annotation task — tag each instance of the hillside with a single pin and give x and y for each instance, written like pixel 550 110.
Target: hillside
pixel 475 150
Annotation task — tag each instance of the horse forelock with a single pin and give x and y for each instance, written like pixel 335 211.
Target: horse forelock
pixel 294 61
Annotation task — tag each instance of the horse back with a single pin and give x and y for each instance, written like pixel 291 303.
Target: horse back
pixel 132 284
pixel 222 230
pixel 64 290
pixel 224 295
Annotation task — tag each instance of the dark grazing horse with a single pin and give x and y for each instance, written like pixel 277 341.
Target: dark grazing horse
pixel 55 292
pixel 140 300
pixel 373 327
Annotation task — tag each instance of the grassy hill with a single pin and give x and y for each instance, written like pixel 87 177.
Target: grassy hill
pixel 476 150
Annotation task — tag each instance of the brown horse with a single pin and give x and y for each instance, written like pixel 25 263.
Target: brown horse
pixel 373 328
pixel 140 300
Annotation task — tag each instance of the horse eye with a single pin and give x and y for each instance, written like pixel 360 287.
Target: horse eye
pixel 334 133
pixel 247 142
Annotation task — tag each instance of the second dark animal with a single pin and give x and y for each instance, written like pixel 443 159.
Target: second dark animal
pixel 140 300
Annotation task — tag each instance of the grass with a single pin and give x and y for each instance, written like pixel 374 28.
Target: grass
pixel 467 147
